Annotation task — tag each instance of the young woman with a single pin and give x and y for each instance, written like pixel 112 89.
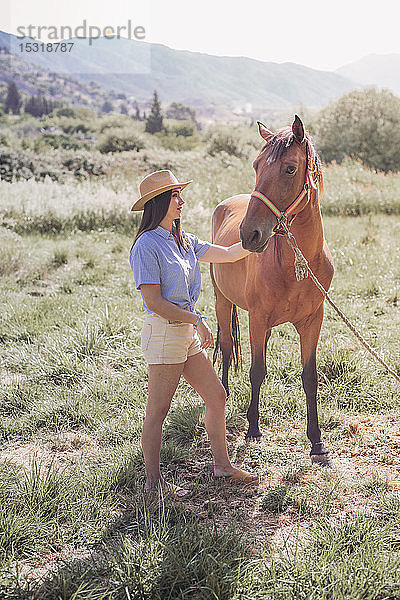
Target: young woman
pixel 165 264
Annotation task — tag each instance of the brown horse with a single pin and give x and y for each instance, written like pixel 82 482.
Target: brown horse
pixel 288 182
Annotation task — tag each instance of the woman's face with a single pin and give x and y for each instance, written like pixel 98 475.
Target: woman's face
pixel 175 205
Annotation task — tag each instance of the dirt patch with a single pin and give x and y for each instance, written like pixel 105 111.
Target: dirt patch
pixel 68 447
pixel 281 458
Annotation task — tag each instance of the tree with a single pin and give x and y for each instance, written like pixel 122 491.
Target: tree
pixel 154 121
pixel 364 124
pixel 38 106
pixel 13 101
pixel 136 115
pixel 180 112
pixel 107 107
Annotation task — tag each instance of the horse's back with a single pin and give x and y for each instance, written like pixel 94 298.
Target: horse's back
pixel 226 219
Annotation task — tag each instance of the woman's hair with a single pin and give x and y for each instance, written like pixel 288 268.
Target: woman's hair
pixel 154 212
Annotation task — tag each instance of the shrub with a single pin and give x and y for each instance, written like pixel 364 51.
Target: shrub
pixel 120 142
pixel 178 142
pixel 56 140
pixel 82 164
pixel 185 129
pixel 223 142
pixel 364 124
pixel 71 126
pixel 66 111
pixel 15 166
pixel 27 165
pixel 179 111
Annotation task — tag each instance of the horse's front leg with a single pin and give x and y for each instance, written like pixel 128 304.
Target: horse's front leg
pixel 309 330
pixel 259 336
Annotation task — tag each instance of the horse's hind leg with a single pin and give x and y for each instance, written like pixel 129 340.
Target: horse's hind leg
pixel 223 309
pixel 309 331
pixel 259 337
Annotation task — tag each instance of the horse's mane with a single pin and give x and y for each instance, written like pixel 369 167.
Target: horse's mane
pixel 279 144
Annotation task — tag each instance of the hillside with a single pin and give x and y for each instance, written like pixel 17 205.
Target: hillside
pixel 33 79
pixel 137 68
pixel 382 70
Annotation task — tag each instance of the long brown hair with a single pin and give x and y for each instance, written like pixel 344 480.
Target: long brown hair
pixel 154 212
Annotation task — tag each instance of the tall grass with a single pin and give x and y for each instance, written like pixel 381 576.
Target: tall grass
pixel 51 208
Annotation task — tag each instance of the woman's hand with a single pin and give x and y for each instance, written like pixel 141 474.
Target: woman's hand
pixel 206 337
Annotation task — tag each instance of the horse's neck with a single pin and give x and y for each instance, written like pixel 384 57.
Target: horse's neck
pixel 308 230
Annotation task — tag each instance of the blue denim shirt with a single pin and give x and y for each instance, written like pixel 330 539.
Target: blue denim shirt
pixel 156 258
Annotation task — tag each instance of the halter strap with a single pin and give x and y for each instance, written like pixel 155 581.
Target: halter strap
pixel 285 213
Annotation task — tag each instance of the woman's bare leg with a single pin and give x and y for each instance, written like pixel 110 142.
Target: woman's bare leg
pixel 200 374
pixel 163 381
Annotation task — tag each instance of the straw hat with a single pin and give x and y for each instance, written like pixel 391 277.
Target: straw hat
pixel 157 183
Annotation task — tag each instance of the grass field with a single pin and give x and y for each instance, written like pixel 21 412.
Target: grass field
pixel 73 524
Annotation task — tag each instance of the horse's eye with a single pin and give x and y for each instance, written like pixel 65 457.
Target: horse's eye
pixel 290 169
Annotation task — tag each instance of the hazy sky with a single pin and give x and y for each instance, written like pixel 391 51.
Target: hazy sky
pixel 321 34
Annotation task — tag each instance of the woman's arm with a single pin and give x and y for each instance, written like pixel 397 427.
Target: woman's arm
pixel 156 303
pixel 221 254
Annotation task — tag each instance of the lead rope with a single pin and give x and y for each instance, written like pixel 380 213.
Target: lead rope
pixel 303 270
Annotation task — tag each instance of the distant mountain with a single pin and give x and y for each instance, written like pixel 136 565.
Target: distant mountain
pixel 382 70
pixel 34 80
pixel 137 68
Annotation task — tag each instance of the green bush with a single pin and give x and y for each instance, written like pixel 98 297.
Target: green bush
pixel 66 111
pixel 223 142
pixel 185 129
pixel 177 142
pixel 82 164
pixel 27 165
pixel 362 124
pixel 119 141
pixel 16 166
pixel 179 111
pixel 72 126
pixel 59 140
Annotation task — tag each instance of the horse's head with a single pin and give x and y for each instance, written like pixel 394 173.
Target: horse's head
pixel 281 171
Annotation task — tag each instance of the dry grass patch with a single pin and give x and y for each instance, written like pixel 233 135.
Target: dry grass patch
pixel 67 448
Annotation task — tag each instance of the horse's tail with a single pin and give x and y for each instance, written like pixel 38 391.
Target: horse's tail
pixel 217 348
pixel 236 349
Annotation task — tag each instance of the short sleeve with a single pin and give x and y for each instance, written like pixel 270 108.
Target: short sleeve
pixel 200 247
pixel 144 264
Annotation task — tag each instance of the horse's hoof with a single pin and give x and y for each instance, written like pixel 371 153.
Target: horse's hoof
pixel 322 459
pixel 253 437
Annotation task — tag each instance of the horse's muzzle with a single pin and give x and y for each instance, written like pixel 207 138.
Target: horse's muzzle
pixel 254 240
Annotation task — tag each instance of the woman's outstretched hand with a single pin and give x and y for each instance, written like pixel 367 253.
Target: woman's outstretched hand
pixel 206 337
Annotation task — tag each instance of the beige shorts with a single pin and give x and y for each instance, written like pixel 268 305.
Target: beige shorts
pixel 168 342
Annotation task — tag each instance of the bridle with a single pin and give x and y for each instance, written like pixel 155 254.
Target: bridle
pixel 285 218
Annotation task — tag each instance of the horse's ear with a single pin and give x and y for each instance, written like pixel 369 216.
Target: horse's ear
pixel 298 129
pixel 265 133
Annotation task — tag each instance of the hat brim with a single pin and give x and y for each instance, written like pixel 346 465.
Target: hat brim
pixel 139 205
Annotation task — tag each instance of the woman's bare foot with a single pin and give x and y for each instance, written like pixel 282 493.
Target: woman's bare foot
pixel 235 474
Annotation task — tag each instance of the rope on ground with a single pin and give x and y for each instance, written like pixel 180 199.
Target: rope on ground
pixel 303 270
